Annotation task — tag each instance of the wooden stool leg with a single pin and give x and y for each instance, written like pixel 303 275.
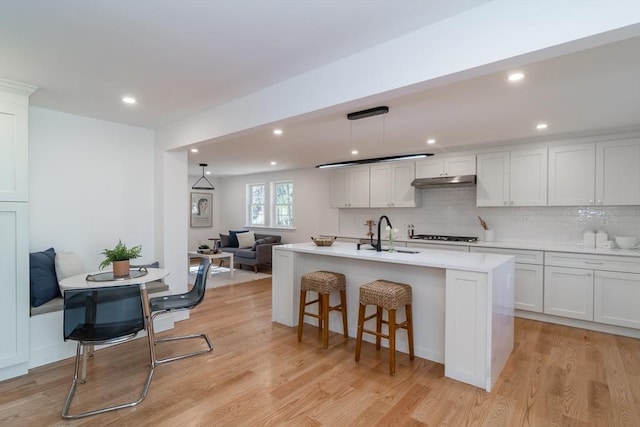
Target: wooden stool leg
pixel 410 330
pixel 392 341
pixel 303 300
pixel 343 304
pixel 319 314
pixel 378 326
pixel 361 311
pixel 325 320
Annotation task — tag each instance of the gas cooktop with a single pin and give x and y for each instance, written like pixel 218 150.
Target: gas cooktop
pixel 444 238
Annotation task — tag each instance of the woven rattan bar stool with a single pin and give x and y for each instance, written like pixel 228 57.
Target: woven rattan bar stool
pixel 323 283
pixel 388 296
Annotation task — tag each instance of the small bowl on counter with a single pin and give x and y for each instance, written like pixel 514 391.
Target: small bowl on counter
pixel 324 241
pixel 627 242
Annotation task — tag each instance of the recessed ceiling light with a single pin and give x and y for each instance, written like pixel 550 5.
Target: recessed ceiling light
pixel 431 141
pixel 128 100
pixel 194 150
pixel 514 77
pixel 273 163
pixel 541 126
pixel 354 152
pixel 277 131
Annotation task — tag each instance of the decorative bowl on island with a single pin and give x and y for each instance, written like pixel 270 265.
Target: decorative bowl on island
pixel 323 241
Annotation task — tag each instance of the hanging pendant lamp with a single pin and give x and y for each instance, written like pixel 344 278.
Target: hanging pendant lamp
pixel 198 186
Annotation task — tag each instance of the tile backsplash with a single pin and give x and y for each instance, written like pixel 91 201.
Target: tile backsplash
pixel 453 211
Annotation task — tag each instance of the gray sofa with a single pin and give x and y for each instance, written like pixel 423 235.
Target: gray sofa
pixel 259 253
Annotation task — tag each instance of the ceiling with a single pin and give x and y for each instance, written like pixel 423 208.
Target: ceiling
pixel 180 58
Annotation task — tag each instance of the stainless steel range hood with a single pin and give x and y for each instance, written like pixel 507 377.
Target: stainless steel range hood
pixel 444 181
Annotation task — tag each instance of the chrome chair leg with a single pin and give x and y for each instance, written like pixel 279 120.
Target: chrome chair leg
pixel 65 411
pixel 180 338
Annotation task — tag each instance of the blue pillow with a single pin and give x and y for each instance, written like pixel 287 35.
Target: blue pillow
pixel 42 277
pixel 155 264
pixel 233 239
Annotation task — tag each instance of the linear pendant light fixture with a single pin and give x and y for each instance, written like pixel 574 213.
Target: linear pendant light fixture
pixel 361 115
pixel 202 186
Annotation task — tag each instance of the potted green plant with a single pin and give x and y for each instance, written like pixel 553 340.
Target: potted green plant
pixel 203 249
pixel 119 256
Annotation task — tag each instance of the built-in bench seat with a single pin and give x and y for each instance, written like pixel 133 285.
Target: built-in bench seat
pixel 57 304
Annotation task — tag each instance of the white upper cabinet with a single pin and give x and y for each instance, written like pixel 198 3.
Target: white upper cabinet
pixel 515 178
pixel 493 179
pixel 572 175
pixel 14 143
pixel 618 172
pixel 434 167
pixel 391 185
pixel 604 173
pixel 350 187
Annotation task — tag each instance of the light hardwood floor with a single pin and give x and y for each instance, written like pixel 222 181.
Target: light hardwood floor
pixel 258 374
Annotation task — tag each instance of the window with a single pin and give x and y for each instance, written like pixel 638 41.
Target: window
pixel 279 210
pixel 256 204
pixel 283 204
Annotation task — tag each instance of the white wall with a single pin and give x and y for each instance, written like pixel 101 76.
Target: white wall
pixel 91 182
pixel 311 211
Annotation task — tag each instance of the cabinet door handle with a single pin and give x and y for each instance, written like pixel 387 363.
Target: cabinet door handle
pixel 588 274
pixel 512 203
pixel 593 262
pixel 505 203
pixel 590 201
pixel 598 275
pixel 599 202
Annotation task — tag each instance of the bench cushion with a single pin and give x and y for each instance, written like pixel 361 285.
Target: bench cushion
pixel 57 304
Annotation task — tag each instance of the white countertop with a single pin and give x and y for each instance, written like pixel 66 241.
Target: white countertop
pixel 425 257
pixel 535 246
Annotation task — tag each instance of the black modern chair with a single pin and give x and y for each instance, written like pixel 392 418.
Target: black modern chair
pixel 103 315
pixel 186 301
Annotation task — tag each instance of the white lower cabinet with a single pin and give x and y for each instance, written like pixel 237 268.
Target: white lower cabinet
pixel 568 292
pixel 617 298
pixel 600 288
pixel 529 278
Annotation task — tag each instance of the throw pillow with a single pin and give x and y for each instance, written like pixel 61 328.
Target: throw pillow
pixel 155 264
pixel 43 282
pixel 258 242
pixel 224 240
pixel 245 240
pixel 233 237
pixel 67 265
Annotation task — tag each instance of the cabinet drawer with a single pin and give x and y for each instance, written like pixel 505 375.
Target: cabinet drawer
pixel 440 247
pixel 595 262
pixel 521 256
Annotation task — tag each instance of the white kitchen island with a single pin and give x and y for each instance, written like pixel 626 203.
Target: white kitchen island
pixel 462 302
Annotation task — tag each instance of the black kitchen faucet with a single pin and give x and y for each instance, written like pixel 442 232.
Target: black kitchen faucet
pixel 378 245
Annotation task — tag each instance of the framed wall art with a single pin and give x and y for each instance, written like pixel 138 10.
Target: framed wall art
pixel 201 210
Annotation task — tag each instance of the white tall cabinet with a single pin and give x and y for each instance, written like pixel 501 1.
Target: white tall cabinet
pixel 14 228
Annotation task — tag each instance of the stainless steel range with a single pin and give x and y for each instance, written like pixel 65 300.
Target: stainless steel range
pixel 444 238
